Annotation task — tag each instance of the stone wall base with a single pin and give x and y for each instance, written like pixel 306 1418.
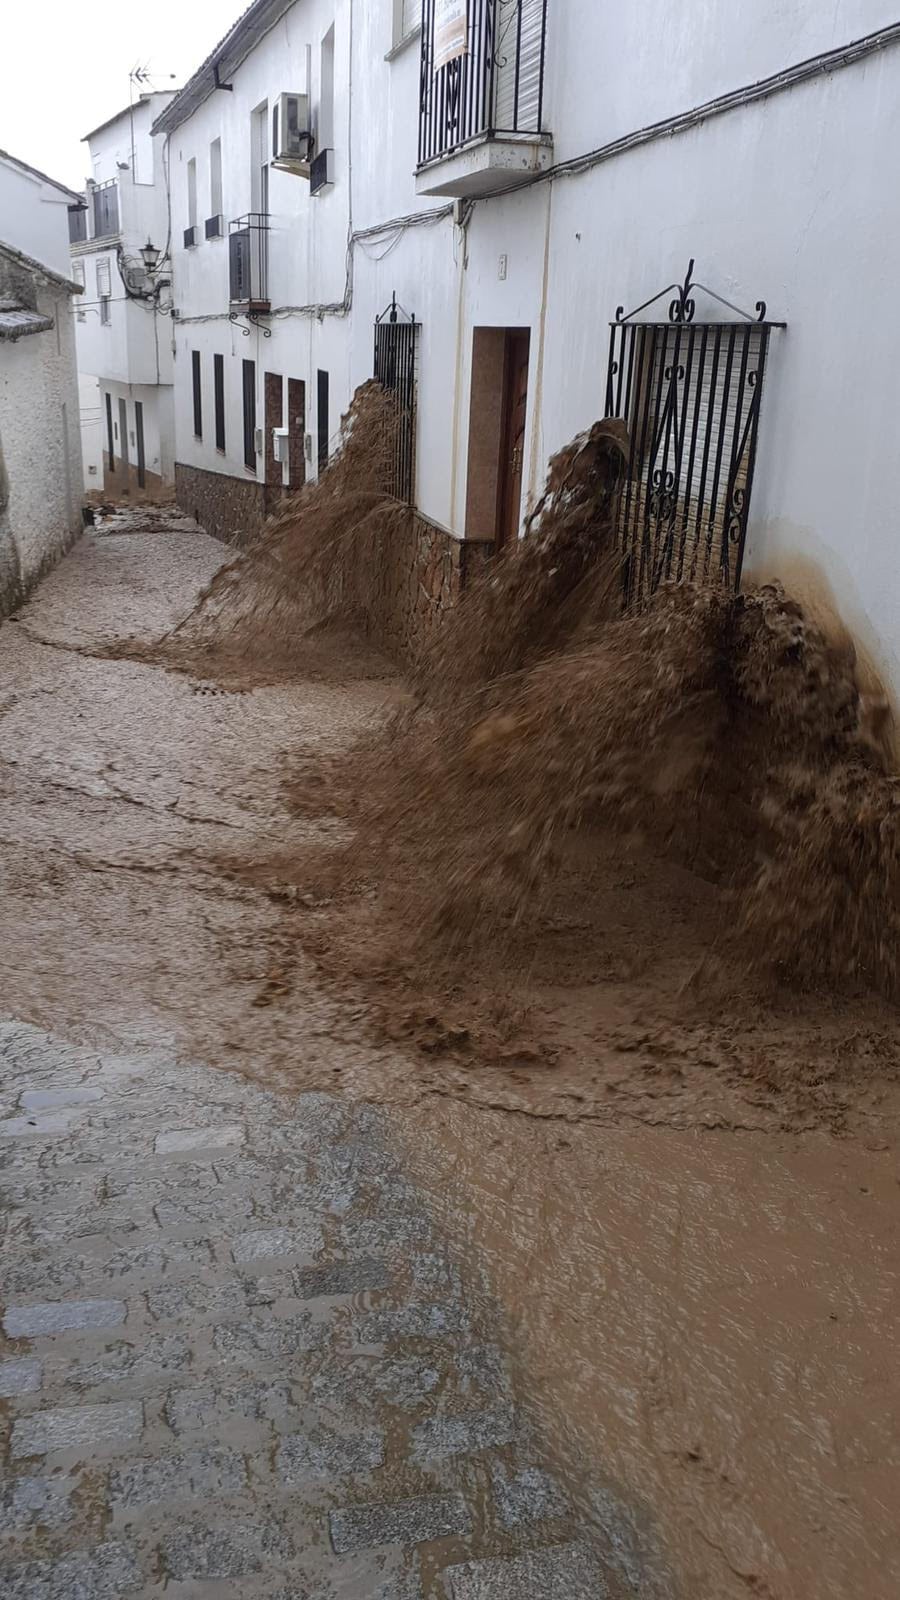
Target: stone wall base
pixel 231 509
pixel 412 575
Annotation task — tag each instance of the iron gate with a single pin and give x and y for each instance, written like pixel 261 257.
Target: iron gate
pixel 689 393
pixel 396 351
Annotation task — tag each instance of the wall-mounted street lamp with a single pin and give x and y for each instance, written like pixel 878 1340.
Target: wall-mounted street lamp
pixel 150 256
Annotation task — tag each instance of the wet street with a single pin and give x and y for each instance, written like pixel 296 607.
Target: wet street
pixel 237 1358
pixel 289 1311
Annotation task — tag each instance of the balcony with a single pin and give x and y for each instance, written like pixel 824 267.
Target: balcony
pixel 248 265
pixel 481 97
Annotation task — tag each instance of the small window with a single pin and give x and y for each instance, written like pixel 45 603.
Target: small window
pixel 103 276
pixel 198 394
pixel 322 418
pixel 78 273
pixel 192 192
pixel 325 140
pixel 215 178
pixel 249 386
pixel 219 400
pixel 77 224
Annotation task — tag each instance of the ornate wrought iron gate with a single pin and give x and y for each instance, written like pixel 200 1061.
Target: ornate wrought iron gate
pixel 689 393
pixel 396 350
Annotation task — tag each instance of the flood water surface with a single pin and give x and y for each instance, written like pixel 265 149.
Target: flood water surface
pixel 697 1268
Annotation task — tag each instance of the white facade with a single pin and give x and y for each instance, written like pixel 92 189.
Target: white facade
pixel 34 213
pixel 778 192
pixel 124 326
pixel 40 457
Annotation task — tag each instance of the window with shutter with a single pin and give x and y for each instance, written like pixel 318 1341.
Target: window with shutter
pixel 519 66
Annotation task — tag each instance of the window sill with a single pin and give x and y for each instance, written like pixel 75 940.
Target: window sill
pixel 403 44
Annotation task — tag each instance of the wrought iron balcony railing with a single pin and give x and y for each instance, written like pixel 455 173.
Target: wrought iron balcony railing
pixel 248 263
pixel 493 83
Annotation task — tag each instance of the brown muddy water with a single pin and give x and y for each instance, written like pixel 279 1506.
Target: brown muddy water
pixel 689 1210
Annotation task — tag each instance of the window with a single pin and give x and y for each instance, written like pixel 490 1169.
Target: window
pixel 198 394
pixel 77 224
pixel 325 139
pixel 215 178
pixel 110 447
pixel 192 192
pixel 249 384
pixel 106 210
pixel 407 19
pixel 103 276
pixel 219 400
pixel 79 278
pixel 259 160
pixel 322 418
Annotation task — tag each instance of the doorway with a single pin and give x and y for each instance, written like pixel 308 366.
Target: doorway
pixel 123 437
pixel 296 432
pixel 273 393
pixel 515 418
pixel 498 421
pixel 139 439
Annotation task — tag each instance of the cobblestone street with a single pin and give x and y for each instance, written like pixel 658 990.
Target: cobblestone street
pixel 237 1359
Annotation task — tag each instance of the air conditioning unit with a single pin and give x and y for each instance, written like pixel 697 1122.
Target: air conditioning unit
pixel 280 438
pixel 190 237
pixel 215 227
pixel 321 173
pixel 291 136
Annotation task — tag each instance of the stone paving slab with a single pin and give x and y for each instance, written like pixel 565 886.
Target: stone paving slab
pixel 237 1361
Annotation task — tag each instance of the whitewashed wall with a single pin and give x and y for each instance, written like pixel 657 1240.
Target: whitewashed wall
pixel 40 437
pixel 34 217
pixel 307 243
pixel 132 353
pixel 786 199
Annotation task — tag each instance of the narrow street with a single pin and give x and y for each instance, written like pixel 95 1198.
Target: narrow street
pixel 291 1310
pixel 237 1357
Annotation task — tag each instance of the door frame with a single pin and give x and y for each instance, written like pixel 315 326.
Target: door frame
pixel 516 339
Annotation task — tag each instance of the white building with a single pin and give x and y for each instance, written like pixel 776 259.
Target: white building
pixel 40 456
pixel 515 171
pixel 124 322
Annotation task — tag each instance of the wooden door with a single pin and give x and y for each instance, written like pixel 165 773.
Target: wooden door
pixel 273 390
pixel 296 432
pixel 515 418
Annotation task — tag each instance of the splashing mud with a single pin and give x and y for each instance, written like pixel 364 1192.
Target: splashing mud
pixel 691 1170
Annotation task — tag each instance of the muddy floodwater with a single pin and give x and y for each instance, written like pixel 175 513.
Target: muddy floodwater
pixel 697 1260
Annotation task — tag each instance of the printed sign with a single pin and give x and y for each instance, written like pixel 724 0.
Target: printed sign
pixel 451 31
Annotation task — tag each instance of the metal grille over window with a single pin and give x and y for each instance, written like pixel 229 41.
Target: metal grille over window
pixel 396 352
pixel 482 71
pixel 690 394
pixel 248 264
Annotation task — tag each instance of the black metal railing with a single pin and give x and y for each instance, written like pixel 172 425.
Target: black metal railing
pixel 248 262
pixel 493 86
pixel 396 352
pixel 690 394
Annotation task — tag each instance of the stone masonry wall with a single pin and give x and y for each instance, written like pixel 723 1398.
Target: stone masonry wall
pixel 232 509
pixel 419 572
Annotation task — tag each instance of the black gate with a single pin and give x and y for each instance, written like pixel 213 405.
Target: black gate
pixel 689 393
pixel 396 351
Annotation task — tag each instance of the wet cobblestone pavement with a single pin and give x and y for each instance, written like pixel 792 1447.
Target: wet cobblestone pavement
pixel 237 1359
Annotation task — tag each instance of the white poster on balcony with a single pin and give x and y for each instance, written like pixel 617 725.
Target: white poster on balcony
pixel 451 31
